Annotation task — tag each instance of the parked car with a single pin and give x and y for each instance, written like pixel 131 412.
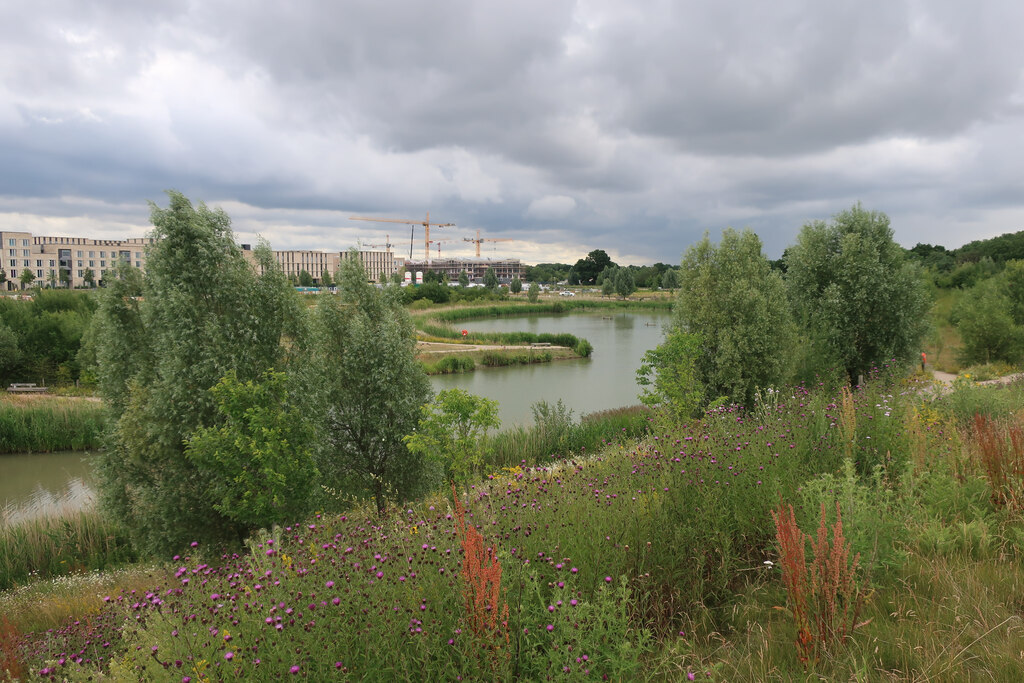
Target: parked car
pixel 567 293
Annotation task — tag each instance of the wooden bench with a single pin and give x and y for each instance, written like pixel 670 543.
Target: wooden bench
pixel 26 388
pixel 540 345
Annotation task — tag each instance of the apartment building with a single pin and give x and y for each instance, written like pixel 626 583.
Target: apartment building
pixel 506 270
pixel 65 261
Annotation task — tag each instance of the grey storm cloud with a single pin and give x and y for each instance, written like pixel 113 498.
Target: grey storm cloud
pixel 632 127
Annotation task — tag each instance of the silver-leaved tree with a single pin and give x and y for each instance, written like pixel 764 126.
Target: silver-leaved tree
pixel 163 341
pixel 369 387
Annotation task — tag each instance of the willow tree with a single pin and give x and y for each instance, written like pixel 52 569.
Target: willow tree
pixel 369 389
pixel 731 299
pixel 204 312
pixel 857 299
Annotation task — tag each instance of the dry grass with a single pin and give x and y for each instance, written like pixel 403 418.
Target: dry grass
pixel 42 605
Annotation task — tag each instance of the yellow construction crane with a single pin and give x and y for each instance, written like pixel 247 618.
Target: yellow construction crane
pixel 425 223
pixel 480 239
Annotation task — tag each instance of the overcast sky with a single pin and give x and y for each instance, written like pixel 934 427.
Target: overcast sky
pixel 565 126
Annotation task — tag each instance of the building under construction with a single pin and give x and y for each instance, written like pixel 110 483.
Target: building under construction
pixel 506 270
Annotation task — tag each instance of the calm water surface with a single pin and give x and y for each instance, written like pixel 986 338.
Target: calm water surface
pixel 606 380
pixel 36 484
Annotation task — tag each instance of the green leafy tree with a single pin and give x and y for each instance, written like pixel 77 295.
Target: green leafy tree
pixel 260 458
pixel 624 282
pixel 51 279
pixel 204 313
pixel 10 354
pixel 27 278
pixel 670 280
pixel 490 279
pixel 65 277
pixel 533 293
pixel 89 278
pixel 463 279
pixel 990 318
pixel 732 299
pixel 452 431
pixel 305 279
pixel 370 388
pixel 397 277
pixel 668 380
pixel 587 269
pixel 325 278
pixel 3 276
pixel 516 286
pixel 858 301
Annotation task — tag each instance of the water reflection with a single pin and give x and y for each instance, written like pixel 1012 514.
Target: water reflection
pixel 41 484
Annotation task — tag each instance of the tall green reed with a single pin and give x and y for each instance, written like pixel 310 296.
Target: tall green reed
pixel 43 425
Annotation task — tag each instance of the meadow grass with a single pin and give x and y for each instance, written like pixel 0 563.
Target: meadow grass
pixel 43 424
pixel 644 558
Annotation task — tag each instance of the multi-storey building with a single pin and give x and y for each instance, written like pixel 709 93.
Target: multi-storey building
pixel 80 261
pixel 506 270
pixel 65 261
pixel 293 262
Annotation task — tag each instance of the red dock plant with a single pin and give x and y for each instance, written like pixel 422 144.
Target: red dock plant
pixel 1002 455
pixel 824 597
pixel 481 581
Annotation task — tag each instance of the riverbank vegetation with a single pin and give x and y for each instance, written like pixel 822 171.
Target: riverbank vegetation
pixel 650 558
pixel 746 525
pixel 41 424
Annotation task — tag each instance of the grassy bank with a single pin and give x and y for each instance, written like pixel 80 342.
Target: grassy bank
pixel 43 424
pixel 454 362
pixel 651 558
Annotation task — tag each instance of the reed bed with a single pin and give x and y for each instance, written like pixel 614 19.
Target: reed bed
pixel 44 424
pixel 544 442
pixel 61 543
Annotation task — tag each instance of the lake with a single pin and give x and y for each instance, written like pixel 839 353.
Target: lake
pixel 605 380
pixel 34 484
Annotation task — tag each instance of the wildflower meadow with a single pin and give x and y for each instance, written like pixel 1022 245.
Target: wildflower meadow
pixel 813 536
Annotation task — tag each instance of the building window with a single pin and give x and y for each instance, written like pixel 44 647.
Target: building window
pixel 79 273
pixel 39 262
pixel 92 254
pixel 24 243
pixel 24 252
pixel 39 273
pixel 25 262
pixel 12 252
pixel 14 264
pixel 103 264
pixel 138 264
pixel 138 254
pixel 79 254
pixel 52 263
pixel 91 263
pixel 11 242
pixel 103 254
pixel 79 263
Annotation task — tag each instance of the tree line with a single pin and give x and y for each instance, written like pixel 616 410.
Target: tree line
pixel 847 301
